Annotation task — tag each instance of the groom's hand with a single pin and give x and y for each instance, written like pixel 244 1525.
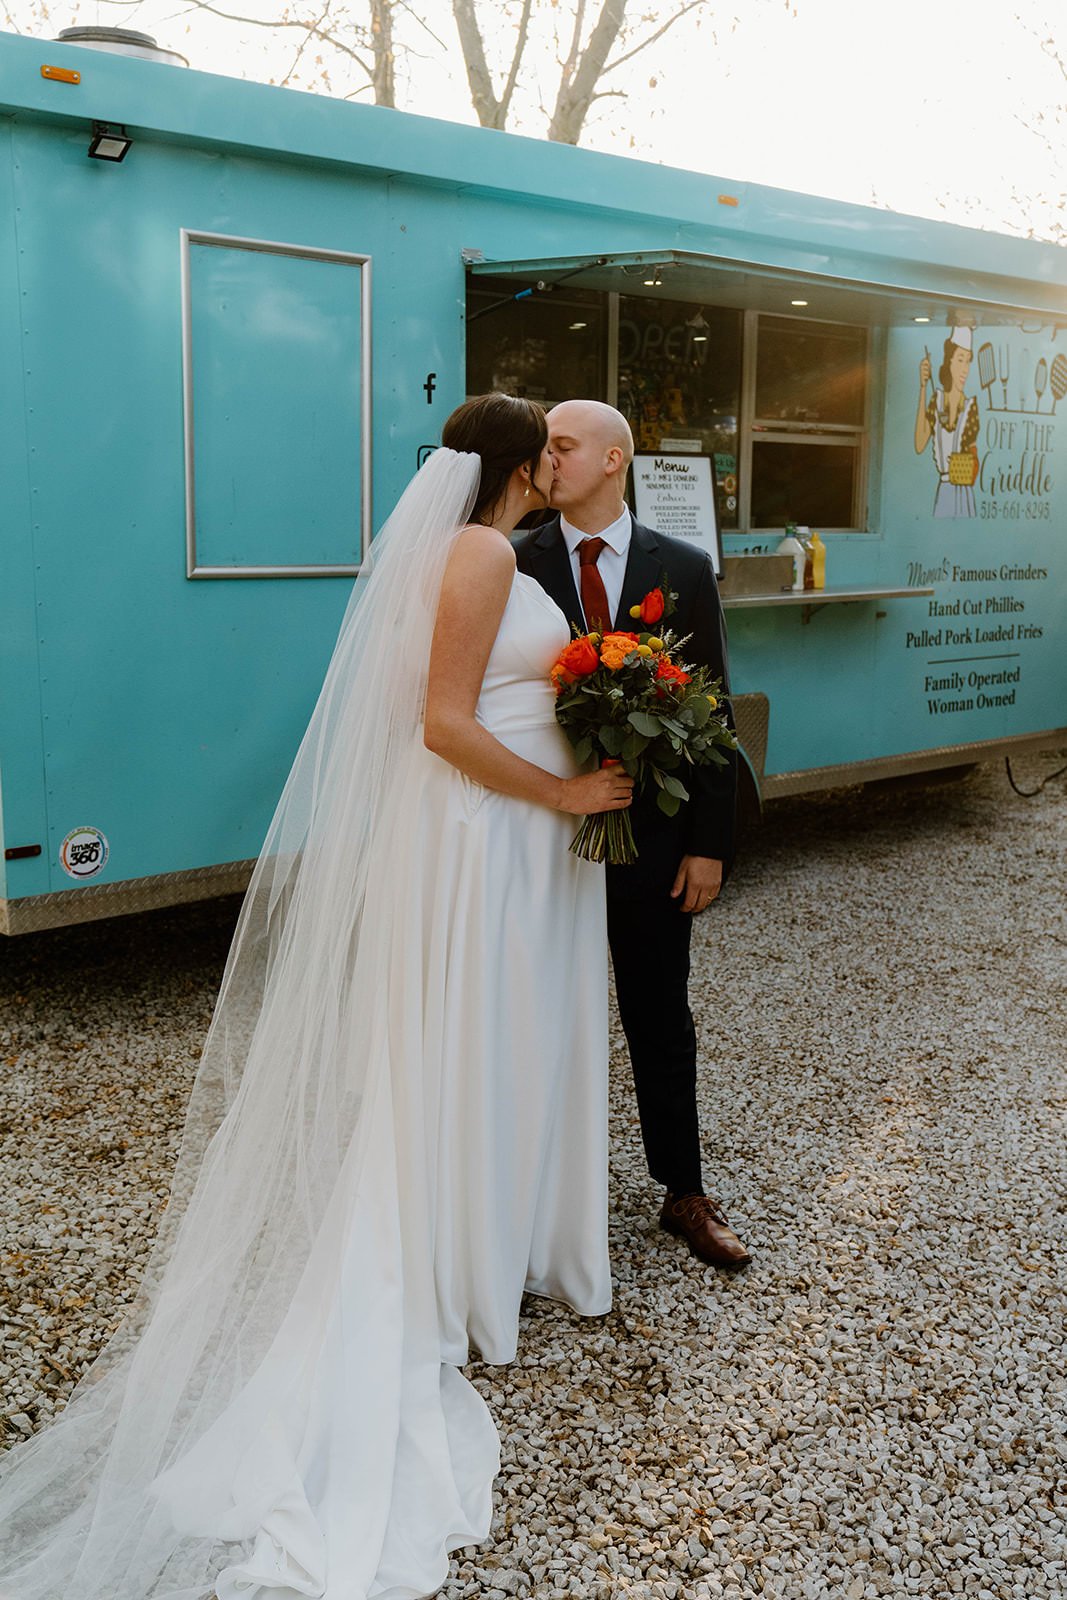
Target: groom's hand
pixel 698 881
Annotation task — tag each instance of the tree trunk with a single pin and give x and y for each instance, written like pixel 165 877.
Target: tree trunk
pixel 384 75
pixel 581 73
pixel 491 112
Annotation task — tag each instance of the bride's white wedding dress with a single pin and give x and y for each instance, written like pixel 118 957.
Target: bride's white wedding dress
pixel 484 1174
pixel 350 1455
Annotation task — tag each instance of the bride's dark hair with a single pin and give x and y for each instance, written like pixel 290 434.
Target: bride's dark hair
pixel 506 432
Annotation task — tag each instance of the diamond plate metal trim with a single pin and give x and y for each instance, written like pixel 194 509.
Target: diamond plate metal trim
pixel 65 907
pixel 946 755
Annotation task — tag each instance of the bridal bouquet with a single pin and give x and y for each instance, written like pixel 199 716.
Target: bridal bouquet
pixel 629 698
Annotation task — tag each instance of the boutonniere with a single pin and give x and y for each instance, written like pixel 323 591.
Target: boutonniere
pixel 658 603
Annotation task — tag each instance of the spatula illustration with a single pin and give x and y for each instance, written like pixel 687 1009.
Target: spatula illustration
pixel 987 367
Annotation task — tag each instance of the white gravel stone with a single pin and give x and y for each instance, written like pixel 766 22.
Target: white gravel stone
pixel 875 1407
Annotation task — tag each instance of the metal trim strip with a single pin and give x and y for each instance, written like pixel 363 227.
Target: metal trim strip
pixel 92 903
pixel 191 236
pixel 777 785
pixel 697 258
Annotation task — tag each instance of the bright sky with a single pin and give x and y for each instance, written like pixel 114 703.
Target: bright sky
pixel 949 111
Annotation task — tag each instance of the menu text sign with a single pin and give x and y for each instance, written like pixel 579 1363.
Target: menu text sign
pixel 675 494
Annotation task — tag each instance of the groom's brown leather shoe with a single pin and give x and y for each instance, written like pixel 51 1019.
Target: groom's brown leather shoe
pixel 703 1225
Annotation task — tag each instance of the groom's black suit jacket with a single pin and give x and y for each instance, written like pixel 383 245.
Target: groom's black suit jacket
pixel 705 824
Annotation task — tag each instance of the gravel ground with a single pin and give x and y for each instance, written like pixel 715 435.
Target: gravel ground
pixel 875 1407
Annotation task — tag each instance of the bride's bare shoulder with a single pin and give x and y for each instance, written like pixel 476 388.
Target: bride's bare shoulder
pixel 485 547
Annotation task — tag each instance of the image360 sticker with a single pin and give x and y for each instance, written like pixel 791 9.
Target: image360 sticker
pixel 83 853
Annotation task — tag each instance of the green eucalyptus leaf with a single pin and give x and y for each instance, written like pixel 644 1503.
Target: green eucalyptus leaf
pixel 675 786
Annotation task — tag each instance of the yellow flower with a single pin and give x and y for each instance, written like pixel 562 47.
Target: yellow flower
pixel 644 650
pixel 655 644
pixel 712 701
pixel 635 611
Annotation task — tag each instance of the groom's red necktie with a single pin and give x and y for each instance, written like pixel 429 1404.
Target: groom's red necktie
pixel 594 595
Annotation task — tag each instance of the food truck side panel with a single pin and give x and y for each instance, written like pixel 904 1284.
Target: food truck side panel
pixel 174 706
pixel 979 660
pixel 22 788
pixel 983 657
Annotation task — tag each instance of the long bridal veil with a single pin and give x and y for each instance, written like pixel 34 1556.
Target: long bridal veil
pixel 276 1126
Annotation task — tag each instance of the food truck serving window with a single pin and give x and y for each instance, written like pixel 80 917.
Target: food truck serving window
pixel 545 347
pixel 679 383
pixel 805 420
pixel 780 404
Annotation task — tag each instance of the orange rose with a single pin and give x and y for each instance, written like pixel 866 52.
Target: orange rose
pixel 651 608
pixel 615 648
pixel 579 658
pixel 668 673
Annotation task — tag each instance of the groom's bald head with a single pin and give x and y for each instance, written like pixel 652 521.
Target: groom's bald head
pixel 593 447
pixel 593 420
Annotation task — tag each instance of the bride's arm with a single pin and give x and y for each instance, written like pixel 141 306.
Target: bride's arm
pixel 474 594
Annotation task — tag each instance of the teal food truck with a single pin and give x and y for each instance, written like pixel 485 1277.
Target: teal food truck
pixel 233 319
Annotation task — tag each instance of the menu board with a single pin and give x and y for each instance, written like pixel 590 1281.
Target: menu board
pixel 675 494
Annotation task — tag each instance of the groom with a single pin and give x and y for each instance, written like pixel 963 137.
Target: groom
pixel 596 562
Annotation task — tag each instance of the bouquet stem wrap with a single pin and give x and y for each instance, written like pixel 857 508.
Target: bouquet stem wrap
pixel 606 835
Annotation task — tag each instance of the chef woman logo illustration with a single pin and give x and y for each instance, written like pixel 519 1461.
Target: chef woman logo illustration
pixel 949 419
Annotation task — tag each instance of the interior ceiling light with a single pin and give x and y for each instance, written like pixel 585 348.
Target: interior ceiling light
pixel 576 325
pixel 798 302
pixel 920 319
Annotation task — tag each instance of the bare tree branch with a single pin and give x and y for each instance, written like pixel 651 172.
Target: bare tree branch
pixel 516 59
pixel 478 79
pixel 327 36
pixel 580 77
pixel 570 65
pixel 301 47
pixel 492 112
pixel 690 5
pixel 402 5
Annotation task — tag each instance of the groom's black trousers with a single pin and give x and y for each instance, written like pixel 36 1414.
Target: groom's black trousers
pixel 649 938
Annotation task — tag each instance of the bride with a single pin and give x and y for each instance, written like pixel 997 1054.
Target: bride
pixel 399 1121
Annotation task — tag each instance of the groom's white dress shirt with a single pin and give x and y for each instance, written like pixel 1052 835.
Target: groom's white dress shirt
pixel 612 561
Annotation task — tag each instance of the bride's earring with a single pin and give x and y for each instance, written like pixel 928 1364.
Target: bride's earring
pixel 526 492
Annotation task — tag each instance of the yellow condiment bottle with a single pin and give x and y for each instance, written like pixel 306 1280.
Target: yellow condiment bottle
pixel 818 561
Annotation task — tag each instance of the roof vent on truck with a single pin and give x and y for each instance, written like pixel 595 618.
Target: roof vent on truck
pixel 121 42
